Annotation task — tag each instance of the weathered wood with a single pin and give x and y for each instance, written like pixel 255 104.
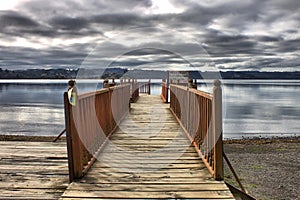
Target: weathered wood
pixel 148 159
pixel 153 194
pixel 218 131
pixel 33 170
pixel 165 91
pixel 165 187
pixel 90 123
pixel 200 116
pixel 152 180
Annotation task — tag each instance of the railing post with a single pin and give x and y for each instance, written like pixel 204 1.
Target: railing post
pixel 149 87
pixel 137 88
pixel 69 137
pixel 217 131
pixel 188 109
pixel 74 144
pixel 167 90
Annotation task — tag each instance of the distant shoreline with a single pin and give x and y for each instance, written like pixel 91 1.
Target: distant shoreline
pixel 62 73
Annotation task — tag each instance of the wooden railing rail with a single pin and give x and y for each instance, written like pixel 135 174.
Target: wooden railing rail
pixel 165 92
pixel 90 122
pixel 134 88
pixel 200 115
pixel 145 87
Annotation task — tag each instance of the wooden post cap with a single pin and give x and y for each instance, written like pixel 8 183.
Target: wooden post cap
pixel 217 83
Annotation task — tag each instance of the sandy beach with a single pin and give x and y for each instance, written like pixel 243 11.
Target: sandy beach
pixel 267 167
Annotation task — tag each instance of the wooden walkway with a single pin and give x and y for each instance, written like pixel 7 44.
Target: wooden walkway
pixel 148 157
pixel 33 170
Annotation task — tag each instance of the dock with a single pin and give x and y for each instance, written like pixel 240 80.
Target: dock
pixel 149 156
pixel 124 143
pixel 33 170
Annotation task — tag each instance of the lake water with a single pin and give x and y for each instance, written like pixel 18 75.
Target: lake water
pixel 250 108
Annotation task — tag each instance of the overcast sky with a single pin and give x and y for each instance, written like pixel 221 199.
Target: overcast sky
pixel 208 34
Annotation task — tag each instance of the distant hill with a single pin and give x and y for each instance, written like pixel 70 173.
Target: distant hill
pixel 61 73
pixel 137 74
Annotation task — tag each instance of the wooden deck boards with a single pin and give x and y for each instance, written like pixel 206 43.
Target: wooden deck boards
pixel 33 170
pixel 148 157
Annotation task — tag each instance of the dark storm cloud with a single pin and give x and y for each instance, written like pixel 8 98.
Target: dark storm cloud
pixel 269 39
pixel 238 35
pixel 67 23
pixel 13 19
pixel 119 20
pixel 230 44
pixel 292 45
pixel 148 51
pixel 30 57
pixel 220 45
pixel 198 13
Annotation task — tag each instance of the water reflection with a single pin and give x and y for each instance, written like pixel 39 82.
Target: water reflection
pixel 251 108
pixel 261 109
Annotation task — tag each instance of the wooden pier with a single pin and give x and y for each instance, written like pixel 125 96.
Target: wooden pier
pixel 122 145
pixel 33 170
pixel 148 156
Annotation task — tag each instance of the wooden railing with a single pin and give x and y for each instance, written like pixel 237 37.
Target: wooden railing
pixel 200 115
pixel 145 87
pixel 165 92
pixel 90 122
pixel 134 88
pixel 134 91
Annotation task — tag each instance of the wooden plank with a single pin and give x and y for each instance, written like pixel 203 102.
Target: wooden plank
pixel 156 142
pixel 124 198
pixel 33 144
pixel 148 172
pixel 155 154
pixel 132 194
pixel 145 159
pixel 32 193
pixel 33 170
pixel 149 187
pixel 152 162
pixel 145 150
pixel 162 179
pixel 8 162
pixel 150 166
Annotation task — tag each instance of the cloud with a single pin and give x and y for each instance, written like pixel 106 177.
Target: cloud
pixel 33 58
pixel 236 35
pixel 67 23
pixel 13 19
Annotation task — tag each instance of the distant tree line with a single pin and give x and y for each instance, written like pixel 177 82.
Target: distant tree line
pixel 138 74
pixel 60 73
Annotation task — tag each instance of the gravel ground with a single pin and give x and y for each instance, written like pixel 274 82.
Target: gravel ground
pixel 268 168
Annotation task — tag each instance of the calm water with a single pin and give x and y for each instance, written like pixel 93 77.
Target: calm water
pixel 251 108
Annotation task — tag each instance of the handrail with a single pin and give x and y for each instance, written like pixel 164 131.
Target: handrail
pixel 145 87
pixel 200 116
pixel 134 91
pixel 134 88
pixel 164 92
pixel 90 123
